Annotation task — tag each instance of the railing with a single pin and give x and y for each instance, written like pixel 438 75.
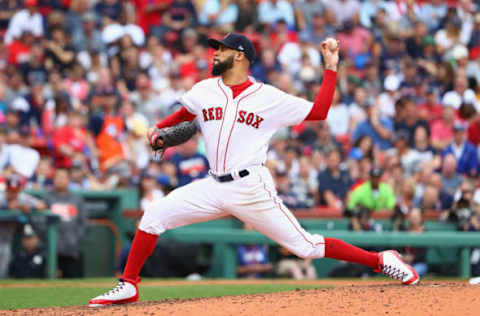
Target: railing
pixel 225 240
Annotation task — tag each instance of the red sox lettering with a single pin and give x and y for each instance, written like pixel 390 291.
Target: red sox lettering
pixel 212 114
pixel 249 118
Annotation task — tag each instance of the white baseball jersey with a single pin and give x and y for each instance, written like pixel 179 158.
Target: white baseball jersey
pixel 237 131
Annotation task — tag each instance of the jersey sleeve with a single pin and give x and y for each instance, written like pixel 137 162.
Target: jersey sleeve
pixel 292 110
pixel 188 100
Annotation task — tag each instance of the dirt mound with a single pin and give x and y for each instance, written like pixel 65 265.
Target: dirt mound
pixel 348 298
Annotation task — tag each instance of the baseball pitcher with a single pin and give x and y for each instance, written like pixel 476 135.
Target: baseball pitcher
pixel 237 117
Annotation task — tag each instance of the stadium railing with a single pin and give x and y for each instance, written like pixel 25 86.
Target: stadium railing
pixel 225 240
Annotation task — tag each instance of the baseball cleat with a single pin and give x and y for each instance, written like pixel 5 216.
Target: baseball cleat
pixel 391 264
pixel 474 281
pixel 123 293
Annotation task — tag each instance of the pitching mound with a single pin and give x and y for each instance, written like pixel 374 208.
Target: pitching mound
pixel 345 298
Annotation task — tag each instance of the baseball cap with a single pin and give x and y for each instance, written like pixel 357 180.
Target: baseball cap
pixel 428 40
pixel 136 34
pixel 148 174
pixel 348 25
pixel 164 180
pixel 237 42
pixel 28 231
pixel 459 52
pixel 77 164
pixel 88 17
pixel 112 33
pixel 281 173
pixel 452 99
pixel 401 135
pixel 459 126
pixel 391 83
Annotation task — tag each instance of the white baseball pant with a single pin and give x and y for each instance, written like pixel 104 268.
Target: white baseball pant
pixel 252 199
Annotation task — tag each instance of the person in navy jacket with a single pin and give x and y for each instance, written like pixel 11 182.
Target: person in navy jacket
pixel 191 165
pixel 464 151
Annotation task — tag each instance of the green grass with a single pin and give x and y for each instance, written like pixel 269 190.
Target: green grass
pixel 66 293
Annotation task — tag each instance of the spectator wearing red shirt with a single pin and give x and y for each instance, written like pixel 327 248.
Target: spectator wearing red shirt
pixel 55 112
pixel 281 34
pixel 431 110
pixel 76 85
pixel 19 49
pixel 149 14
pixel 442 130
pixel 69 140
pixel 353 38
pixel 473 131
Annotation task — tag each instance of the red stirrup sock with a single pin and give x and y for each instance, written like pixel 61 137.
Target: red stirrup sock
pixel 142 247
pixel 340 250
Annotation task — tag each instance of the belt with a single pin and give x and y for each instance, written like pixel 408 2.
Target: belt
pixel 229 177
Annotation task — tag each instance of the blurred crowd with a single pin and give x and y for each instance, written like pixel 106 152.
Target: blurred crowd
pixel 82 80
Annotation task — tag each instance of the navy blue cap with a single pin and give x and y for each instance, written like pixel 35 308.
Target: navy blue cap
pixel 459 126
pixel 236 42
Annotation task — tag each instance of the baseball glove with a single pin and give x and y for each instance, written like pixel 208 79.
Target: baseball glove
pixel 171 136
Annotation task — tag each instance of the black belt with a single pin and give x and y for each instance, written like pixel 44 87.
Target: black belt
pixel 229 177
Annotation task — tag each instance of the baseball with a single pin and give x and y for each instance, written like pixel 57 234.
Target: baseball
pixel 331 43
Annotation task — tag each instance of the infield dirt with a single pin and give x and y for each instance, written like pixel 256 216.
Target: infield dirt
pixel 344 298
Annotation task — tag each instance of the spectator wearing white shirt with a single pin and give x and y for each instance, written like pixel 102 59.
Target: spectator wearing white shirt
pixel 305 11
pixel 466 9
pixel 343 9
pixel 446 38
pixel 357 108
pixel 21 158
pixel 146 100
pixel 432 13
pixel 388 98
pixel 149 190
pixel 409 158
pixel 272 11
pixel 219 12
pixel 27 19
pixel 399 9
pixel 338 117
pixel 304 183
pixel 369 11
pixel 291 54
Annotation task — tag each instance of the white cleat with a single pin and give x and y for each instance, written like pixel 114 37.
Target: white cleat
pixel 474 281
pixel 123 293
pixel 391 264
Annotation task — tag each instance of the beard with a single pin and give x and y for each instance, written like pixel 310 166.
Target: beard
pixel 222 66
